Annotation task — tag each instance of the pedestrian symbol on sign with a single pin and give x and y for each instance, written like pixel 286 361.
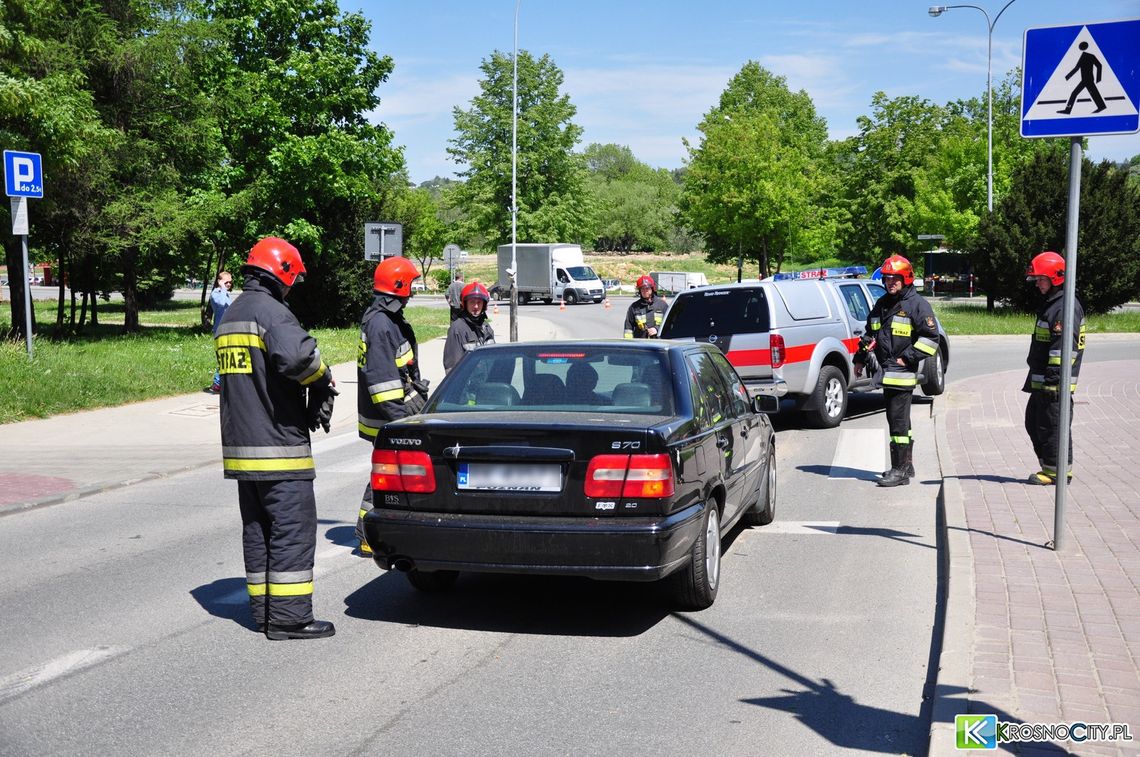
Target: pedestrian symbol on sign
pixel 1097 91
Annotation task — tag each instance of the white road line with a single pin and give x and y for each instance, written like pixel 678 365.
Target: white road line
pixel 323 564
pixel 861 453
pixel 18 683
pixel 795 527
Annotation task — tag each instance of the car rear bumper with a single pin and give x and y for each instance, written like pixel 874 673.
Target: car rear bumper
pixel 769 387
pixel 628 549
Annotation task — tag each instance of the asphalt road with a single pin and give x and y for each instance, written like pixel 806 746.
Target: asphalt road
pixel 126 627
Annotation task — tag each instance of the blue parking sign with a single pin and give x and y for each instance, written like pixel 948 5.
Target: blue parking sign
pixel 1081 80
pixel 23 174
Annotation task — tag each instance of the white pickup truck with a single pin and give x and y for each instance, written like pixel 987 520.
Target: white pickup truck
pixel 793 338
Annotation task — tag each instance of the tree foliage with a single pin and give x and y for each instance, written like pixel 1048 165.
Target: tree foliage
pixel 1032 218
pixel 752 184
pixel 635 206
pixel 552 203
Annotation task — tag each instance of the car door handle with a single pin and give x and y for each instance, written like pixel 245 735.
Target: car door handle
pixel 857 332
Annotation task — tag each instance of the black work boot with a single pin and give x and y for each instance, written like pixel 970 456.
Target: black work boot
pixel 910 459
pixel 314 629
pixel 897 476
pixel 894 461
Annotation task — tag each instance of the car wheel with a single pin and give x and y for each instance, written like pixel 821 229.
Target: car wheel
pixel 829 401
pixel 570 297
pixel 695 585
pixel 432 581
pixel 934 375
pixel 764 511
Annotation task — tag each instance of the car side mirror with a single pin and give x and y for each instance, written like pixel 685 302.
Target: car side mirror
pixel 765 403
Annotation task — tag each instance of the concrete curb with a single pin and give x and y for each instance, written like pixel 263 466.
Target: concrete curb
pixel 952 686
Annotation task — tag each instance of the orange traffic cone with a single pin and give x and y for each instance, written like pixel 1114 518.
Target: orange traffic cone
pixel 561 304
pixel 608 304
pixel 495 310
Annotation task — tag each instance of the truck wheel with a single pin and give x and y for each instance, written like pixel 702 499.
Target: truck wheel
pixel 933 375
pixel 694 586
pixel 547 300
pixel 570 297
pixel 524 298
pixel 829 400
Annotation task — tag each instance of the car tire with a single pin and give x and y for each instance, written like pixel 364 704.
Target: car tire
pixel 763 511
pixel 934 375
pixel 695 586
pixel 432 581
pixel 570 297
pixel 828 402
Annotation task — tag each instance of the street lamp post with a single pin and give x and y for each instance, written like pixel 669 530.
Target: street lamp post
pixel 937 10
pixel 514 180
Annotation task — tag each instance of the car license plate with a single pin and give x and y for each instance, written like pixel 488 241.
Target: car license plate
pixel 531 477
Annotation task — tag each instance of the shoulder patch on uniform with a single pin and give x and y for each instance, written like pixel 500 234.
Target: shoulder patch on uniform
pixel 1057 327
pixel 930 321
pixel 902 312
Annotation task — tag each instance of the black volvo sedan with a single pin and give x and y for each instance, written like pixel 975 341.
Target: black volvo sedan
pixel 625 459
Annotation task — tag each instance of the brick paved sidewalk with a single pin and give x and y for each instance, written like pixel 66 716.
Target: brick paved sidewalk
pixel 1033 635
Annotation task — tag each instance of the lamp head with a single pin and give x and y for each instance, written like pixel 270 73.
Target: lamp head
pixel 936 10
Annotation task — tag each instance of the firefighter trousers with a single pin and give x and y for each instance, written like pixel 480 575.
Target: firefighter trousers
pixel 898 414
pixel 279 539
pixel 1043 424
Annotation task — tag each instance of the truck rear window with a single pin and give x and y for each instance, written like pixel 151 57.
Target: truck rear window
pixel 717 311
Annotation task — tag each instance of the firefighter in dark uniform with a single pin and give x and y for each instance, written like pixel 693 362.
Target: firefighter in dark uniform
pixel 644 318
pixel 470 330
pixel 275 389
pixel 1043 412
pixel 388 384
pixel 901 331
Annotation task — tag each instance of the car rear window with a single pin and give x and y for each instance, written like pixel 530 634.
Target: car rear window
pixel 559 378
pixel 717 311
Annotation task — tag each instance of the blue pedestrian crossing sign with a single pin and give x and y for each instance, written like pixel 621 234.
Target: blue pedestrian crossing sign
pixel 23 174
pixel 1081 80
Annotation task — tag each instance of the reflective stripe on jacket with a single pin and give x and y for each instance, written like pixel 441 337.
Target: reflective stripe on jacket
pixel 1046 344
pixel 643 314
pixel 386 364
pixel 901 327
pixel 464 335
pixel 266 359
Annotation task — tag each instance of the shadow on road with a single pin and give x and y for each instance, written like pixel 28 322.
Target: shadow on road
pixel 539 605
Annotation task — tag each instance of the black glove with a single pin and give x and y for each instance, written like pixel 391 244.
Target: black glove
pixel 415 395
pixel 871 364
pixel 319 409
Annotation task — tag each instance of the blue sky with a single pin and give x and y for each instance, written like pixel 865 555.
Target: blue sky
pixel 643 72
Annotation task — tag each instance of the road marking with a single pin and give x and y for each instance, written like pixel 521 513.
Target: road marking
pixel 796 527
pixel 327 444
pixel 19 683
pixel 861 453
pixel 357 466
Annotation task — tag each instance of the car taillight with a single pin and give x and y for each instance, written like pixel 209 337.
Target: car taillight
pixel 776 346
pixel 402 471
pixel 630 476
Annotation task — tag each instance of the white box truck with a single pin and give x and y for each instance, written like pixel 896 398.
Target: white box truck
pixel 678 281
pixel 549 272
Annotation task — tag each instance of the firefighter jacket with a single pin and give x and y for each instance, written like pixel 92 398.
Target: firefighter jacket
pixel 1044 358
pixel 642 314
pixel 900 326
pixel 386 365
pixel 466 334
pixel 266 361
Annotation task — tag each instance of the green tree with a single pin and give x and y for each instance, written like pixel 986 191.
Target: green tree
pixel 552 203
pixel 884 171
pixel 634 205
pixel 752 183
pixel 425 233
pixel 1032 218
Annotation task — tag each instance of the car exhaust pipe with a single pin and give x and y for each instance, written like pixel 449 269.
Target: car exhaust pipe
pixel 402 564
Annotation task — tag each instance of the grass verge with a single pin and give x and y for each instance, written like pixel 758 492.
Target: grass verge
pixel 103 367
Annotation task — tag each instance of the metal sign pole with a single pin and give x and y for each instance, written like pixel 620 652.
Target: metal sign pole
pixel 1065 390
pixel 27 294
